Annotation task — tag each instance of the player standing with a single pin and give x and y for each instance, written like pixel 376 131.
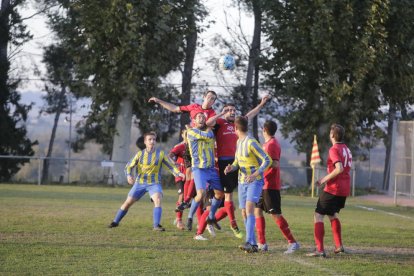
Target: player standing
pixel 337 188
pixel 270 201
pixel 148 164
pixel 252 161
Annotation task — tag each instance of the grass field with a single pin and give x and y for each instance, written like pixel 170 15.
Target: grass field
pixel 57 230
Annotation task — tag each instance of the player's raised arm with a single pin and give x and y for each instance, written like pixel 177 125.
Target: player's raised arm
pixel 169 106
pixel 212 120
pixel 257 109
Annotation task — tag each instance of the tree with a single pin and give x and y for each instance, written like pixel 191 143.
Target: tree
pixel 323 66
pixel 13 114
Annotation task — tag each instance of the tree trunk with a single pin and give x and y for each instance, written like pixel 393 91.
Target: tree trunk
pixel 122 137
pixel 4 35
pixel 388 144
pixel 45 171
pixel 187 74
pixel 253 66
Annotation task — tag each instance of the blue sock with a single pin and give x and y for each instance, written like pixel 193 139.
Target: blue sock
pixel 119 215
pixel 193 208
pixel 156 215
pixel 250 225
pixel 215 203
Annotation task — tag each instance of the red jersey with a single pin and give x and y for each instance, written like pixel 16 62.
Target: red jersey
pixel 341 184
pixel 196 107
pixel 226 138
pixel 272 175
pixel 179 151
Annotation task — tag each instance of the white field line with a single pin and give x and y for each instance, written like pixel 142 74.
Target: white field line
pixel 302 262
pixel 385 212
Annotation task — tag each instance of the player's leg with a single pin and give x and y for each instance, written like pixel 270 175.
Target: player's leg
pixel 179 214
pixel 260 227
pixel 155 192
pixel 215 184
pixel 136 192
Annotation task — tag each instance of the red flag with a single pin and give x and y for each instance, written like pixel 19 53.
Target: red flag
pixel 315 158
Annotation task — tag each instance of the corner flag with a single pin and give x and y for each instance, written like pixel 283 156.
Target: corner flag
pixel 315 159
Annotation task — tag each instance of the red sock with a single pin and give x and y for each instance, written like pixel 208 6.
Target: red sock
pixel 186 185
pixel 202 223
pixel 284 227
pixel 199 212
pixel 191 191
pixel 260 229
pixel 229 206
pixel 221 214
pixel 178 215
pixel 336 231
pixel 319 232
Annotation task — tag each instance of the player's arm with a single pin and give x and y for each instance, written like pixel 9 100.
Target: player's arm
pixel 129 166
pixel 252 113
pixel 231 168
pixel 339 168
pixel 212 120
pixel 264 164
pixel 168 163
pixel 169 106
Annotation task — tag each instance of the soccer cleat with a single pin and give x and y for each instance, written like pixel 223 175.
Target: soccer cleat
pixel 211 230
pixel 237 233
pixel 317 253
pixel 113 224
pixel 180 225
pixel 158 228
pixel 263 247
pixel 184 205
pixel 249 248
pixel 292 248
pixel 339 250
pixel 213 222
pixel 200 238
pixel 189 224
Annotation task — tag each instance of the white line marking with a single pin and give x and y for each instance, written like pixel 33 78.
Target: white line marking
pixel 385 212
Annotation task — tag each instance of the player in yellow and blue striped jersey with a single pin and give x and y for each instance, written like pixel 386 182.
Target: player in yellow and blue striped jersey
pixel 252 161
pixel 144 173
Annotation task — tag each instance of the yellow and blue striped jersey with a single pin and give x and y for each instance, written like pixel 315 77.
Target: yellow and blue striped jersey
pixel 249 158
pixel 148 166
pixel 201 145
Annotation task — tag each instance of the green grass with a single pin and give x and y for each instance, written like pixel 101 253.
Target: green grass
pixel 57 230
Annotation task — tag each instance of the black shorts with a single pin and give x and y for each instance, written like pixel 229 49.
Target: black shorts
pixel 180 187
pixel 329 204
pixel 270 202
pixel 187 157
pixel 229 181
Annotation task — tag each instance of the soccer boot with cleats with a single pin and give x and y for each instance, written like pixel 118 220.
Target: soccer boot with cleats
pixel 292 248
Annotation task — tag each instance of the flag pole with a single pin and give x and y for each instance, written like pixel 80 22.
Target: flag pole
pixel 313 180
pixel 315 159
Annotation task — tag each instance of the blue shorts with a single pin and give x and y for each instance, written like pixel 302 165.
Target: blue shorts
pixel 138 190
pixel 250 192
pixel 204 176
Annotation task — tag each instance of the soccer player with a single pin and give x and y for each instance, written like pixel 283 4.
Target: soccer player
pixel 177 154
pixel 337 188
pixel 270 201
pixel 252 161
pixel 201 144
pixel 148 164
pixel 226 140
pixel 209 98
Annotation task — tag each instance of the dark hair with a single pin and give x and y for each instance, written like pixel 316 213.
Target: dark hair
pixel 210 91
pixel 338 132
pixel 153 133
pixel 229 104
pixel 270 127
pixel 241 123
pixel 140 143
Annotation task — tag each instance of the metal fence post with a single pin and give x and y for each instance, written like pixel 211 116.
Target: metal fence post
pixel 395 189
pixel 39 172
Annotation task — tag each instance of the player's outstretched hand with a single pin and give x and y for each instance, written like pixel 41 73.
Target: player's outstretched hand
pixel 265 99
pixel 131 180
pixel 153 100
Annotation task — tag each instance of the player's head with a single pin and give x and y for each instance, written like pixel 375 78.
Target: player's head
pixel 199 120
pixel 337 132
pixel 231 112
pixel 241 124
pixel 270 127
pixel 150 139
pixel 209 98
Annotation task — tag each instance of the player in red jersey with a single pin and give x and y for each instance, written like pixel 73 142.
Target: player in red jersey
pixel 177 154
pixel 337 188
pixel 226 141
pixel 270 201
